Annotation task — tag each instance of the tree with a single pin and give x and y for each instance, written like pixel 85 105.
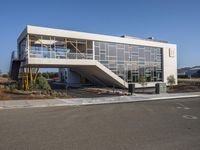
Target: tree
pixel 171 80
pixel 142 81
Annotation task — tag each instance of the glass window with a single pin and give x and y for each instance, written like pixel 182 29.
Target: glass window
pixel 120 55
pixel 89 44
pixel 102 46
pixel 112 50
pixel 131 61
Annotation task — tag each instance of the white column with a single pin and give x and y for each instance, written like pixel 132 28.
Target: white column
pixel 93 50
pixel 28 46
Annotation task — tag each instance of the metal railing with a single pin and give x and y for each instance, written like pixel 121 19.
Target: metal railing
pixel 59 55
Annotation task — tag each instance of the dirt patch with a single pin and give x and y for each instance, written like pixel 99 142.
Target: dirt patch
pixel 3 80
pixel 87 92
pixel 186 86
pixel 92 92
pixel 8 95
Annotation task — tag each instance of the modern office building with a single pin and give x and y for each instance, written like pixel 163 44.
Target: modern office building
pixel 87 58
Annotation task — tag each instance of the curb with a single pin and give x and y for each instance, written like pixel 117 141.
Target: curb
pixel 89 101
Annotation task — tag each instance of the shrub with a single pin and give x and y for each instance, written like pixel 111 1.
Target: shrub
pixel 41 83
pixel 171 80
pixel 46 75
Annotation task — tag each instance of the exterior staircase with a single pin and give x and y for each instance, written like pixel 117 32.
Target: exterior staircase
pixel 92 69
pixel 14 66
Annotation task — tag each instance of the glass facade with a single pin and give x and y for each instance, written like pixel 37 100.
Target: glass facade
pixel 127 61
pixel 131 61
pixel 22 48
pixel 59 47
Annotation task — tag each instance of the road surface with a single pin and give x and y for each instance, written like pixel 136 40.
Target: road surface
pixel 155 125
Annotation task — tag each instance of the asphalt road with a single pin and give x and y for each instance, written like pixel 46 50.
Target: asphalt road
pixel 155 125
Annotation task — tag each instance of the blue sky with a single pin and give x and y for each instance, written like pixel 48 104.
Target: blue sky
pixel 177 21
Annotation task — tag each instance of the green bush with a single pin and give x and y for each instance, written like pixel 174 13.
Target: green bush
pixel 46 75
pixel 41 84
pixel 171 80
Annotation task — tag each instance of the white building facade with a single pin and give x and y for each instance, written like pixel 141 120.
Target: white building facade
pixel 98 59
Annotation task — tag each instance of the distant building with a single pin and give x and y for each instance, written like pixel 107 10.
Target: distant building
pixel 183 71
pixel 189 71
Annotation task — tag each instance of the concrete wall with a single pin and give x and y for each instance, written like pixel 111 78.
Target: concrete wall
pixel 169 61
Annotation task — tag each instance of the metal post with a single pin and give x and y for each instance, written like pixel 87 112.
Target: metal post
pixel 28 46
pixel 22 76
pixel 86 49
pixel 36 74
pixel 31 74
pixel 76 49
pixel 27 78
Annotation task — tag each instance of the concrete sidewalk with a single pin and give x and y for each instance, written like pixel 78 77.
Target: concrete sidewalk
pixel 11 104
